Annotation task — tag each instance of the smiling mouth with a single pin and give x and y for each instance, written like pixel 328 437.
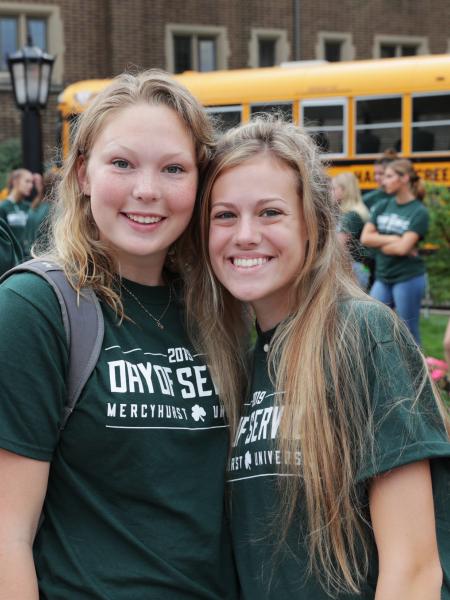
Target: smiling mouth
pixel 143 220
pixel 248 263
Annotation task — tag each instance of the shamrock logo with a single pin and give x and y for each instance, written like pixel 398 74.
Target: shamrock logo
pixel 198 413
pixel 248 460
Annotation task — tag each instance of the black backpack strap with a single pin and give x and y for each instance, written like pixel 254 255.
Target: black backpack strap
pixel 83 322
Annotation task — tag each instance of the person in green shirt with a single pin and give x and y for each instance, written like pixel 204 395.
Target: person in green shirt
pixel 351 222
pixel 397 224
pixel 14 210
pixel 132 491
pixel 339 474
pixel 10 250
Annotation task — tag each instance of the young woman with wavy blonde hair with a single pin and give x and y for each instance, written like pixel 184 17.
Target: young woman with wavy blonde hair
pixel 132 491
pixel 338 474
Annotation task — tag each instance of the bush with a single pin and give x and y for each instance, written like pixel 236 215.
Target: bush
pixel 10 158
pixel 437 243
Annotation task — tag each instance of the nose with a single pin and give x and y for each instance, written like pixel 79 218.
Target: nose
pixel 248 232
pixel 147 185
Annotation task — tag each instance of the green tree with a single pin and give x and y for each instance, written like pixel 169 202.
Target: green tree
pixel 437 243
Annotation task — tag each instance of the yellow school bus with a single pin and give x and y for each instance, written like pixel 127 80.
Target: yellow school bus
pixel 355 110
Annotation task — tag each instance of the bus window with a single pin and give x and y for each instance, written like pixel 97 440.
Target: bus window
pixel 378 124
pixel 282 109
pixel 225 117
pixel 431 123
pixel 325 121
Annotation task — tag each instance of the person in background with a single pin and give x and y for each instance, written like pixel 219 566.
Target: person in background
pixel 14 210
pixel 36 229
pixel 372 197
pixel 340 461
pixel 354 215
pixel 397 224
pixel 10 250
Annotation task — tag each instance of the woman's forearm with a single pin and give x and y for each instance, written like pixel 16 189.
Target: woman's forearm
pixel 18 579
pixel 377 240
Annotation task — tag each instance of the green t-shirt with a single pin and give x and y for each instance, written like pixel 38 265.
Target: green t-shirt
pixel 371 198
pixel 10 251
pixel 404 434
pixel 37 225
pixel 389 218
pixel 134 507
pixel 352 223
pixel 16 215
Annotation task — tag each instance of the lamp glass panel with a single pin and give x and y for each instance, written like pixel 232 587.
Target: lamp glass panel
pixel 45 78
pixel 33 72
pixel 19 83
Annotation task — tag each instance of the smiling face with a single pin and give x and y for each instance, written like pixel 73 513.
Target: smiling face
pixel 141 176
pixel 257 235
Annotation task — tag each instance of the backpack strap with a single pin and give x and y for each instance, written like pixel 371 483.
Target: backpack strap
pixel 83 323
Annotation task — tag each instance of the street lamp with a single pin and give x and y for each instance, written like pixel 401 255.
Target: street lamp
pixel 31 70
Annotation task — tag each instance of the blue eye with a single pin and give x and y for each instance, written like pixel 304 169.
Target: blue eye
pixel 120 163
pixel 174 169
pixel 270 212
pixel 224 215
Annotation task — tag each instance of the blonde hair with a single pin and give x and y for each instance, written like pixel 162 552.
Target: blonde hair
pixel 403 166
pixel 75 237
pixel 318 348
pixel 351 201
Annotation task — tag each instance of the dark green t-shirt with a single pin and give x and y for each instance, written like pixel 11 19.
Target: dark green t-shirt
pixel 37 225
pixel 404 434
pixel 352 223
pixel 371 198
pixel 10 250
pixel 16 215
pixel 134 507
pixel 390 217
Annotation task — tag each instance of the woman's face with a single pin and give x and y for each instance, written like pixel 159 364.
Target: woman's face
pixel 141 176
pixel 338 191
pixel 378 174
pixel 257 235
pixel 393 182
pixel 24 185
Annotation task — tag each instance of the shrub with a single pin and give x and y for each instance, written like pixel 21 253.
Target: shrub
pixel 10 158
pixel 437 243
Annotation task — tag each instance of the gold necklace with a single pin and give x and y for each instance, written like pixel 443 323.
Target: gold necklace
pixel 157 320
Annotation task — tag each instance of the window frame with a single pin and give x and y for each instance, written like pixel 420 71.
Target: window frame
pixel 335 101
pixel 282 48
pixel 385 125
pixel 54 32
pixel 346 38
pixel 421 43
pixel 196 32
pixel 430 123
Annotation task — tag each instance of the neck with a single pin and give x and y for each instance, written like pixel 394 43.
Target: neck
pixel 268 316
pixel 404 196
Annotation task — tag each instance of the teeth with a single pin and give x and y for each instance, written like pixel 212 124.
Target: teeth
pixel 142 219
pixel 249 262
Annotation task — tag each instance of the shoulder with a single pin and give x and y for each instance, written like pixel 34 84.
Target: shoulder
pixel 370 320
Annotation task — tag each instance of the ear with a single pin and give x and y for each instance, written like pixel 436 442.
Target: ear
pixel 82 176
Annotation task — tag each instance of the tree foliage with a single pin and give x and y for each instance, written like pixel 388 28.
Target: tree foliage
pixel 437 243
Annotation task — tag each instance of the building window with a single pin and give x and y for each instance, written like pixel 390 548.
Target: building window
pixel 334 46
pixel 431 123
pixel 378 124
pixel 42 22
pixel 195 48
pixel 267 47
pixel 325 121
pixel 390 46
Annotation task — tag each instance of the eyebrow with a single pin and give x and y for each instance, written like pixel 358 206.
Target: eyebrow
pixel 261 202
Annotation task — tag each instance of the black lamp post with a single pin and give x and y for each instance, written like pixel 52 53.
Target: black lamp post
pixel 31 70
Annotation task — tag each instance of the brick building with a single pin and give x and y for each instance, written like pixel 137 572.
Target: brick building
pixel 100 38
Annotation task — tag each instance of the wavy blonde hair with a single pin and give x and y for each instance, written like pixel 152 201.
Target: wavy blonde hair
pixel 351 201
pixel 76 245
pixel 318 348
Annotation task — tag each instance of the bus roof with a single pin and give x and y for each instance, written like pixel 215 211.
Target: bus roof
pixel 292 82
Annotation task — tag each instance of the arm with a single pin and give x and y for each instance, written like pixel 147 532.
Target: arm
pixel 402 513
pixel 22 492
pixel 404 246
pixel 372 239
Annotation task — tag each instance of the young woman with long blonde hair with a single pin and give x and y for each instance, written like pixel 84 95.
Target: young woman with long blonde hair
pixel 132 490
pixel 340 461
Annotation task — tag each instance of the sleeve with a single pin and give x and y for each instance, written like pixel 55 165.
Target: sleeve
pixel 33 366
pixel 407 424
pixel 419 222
